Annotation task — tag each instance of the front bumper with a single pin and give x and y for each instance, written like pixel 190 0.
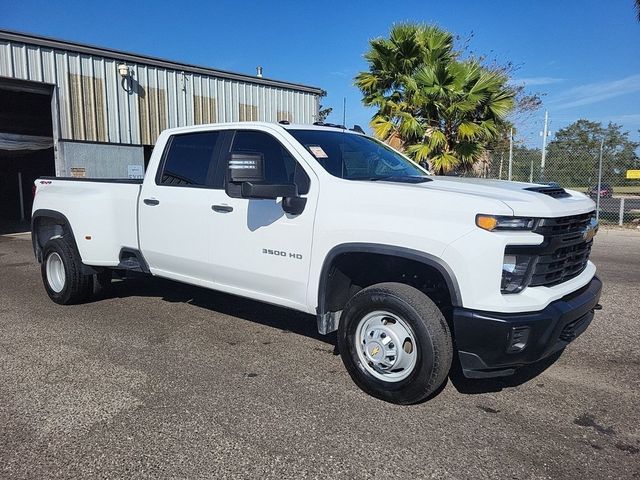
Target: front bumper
pixel 494 344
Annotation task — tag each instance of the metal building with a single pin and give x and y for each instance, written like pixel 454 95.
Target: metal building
pixel 77 110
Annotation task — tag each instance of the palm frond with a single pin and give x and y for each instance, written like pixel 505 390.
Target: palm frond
pixel 442 109
pixel 382 127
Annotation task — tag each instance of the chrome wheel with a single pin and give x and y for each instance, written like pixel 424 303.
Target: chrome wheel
pixel 55 272
pixel 386 346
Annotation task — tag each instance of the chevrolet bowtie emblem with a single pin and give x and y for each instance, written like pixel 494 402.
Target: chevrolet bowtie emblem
pixel 374 351
pixel 589 233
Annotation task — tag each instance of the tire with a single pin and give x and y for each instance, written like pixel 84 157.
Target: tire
pixel 382 312
pixel 62 275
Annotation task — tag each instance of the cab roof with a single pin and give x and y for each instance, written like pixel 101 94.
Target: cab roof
pixel 285 126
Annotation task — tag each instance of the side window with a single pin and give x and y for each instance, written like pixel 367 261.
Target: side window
pixel 280 166
pixel 190 160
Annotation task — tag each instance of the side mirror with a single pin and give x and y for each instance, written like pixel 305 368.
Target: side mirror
pixel 255 190
pixel 293 205
pixel 291 202
pixel 246 167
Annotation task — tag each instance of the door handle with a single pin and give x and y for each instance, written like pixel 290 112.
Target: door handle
pixel 151 201
pixel 222 208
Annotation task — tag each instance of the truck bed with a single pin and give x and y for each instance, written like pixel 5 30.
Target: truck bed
pixel 103 213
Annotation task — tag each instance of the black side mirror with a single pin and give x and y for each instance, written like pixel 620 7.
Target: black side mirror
pixel 246 167
pixel 256 190
pixel 293 205
pixel 291 202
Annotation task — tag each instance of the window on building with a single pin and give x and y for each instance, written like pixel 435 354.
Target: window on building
pixel 191 159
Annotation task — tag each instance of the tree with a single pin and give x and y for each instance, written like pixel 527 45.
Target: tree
pixel 323 112
pixel 441 109
pixel 573 155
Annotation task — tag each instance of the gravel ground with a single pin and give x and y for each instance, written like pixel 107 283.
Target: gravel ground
pixel 158 379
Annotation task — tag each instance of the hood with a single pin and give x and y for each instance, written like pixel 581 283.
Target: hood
pixel 524 199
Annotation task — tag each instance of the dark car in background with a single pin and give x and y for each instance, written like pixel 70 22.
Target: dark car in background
pixel 606 191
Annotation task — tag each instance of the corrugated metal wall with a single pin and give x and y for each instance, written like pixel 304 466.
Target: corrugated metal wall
pixel 93 104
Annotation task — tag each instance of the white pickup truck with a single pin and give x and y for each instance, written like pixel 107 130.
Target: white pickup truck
pixel 414 271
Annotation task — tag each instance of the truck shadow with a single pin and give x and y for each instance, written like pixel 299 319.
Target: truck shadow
pixel 291 321
pixel 283 319
pixel 472 386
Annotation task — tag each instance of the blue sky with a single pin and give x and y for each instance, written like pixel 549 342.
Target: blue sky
pixel 583 55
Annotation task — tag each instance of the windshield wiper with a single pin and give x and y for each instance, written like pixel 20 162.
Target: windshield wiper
pixel 399 178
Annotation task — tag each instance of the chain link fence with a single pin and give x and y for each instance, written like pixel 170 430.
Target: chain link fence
pixel 575 168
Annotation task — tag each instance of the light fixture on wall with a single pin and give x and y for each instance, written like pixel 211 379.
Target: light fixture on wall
pixel 126 76
pixel 123 70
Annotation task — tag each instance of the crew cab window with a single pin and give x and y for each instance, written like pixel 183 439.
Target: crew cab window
pixel 190 160
pixel 280 167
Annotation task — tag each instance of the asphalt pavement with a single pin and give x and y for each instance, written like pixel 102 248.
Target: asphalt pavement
pixel 161 380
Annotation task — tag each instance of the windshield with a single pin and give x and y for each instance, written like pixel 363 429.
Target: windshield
pixel 356 157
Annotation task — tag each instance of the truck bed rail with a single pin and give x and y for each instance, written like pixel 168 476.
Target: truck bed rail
pixel 133 181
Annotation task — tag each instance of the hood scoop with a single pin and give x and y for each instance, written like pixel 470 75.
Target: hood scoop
pixel 555 192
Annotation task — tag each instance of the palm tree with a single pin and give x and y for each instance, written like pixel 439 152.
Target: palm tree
pixel 443 111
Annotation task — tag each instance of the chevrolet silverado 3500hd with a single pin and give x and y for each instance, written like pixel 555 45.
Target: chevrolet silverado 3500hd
pixel 409 268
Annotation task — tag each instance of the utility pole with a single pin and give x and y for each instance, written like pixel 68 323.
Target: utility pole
pixel 599 181
pixel 510 152
pixel 545 133
pixel 531 171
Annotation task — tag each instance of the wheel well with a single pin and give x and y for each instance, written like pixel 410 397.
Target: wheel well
pixel 350 272
pixel 46 227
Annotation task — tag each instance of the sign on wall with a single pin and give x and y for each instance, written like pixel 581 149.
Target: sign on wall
pixel 78 172
pixel 135 171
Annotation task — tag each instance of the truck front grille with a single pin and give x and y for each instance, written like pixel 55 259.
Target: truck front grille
pixel 564 252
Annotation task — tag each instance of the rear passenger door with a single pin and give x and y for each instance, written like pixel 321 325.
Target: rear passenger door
pixel 176 221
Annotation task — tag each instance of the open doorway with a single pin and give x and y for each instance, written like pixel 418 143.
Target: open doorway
pixel 26 149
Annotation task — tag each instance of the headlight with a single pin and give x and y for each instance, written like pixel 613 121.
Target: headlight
pixel 515 272
pixel 498 222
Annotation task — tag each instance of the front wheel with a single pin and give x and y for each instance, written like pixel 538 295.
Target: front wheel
pixel 395 343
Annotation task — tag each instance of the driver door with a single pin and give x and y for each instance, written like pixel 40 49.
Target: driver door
pixel 261 251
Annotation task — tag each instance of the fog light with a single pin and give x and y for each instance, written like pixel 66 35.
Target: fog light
pixel 518 339
pixel 515 270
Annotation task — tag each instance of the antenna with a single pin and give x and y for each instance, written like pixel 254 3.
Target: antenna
pixel 344 111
